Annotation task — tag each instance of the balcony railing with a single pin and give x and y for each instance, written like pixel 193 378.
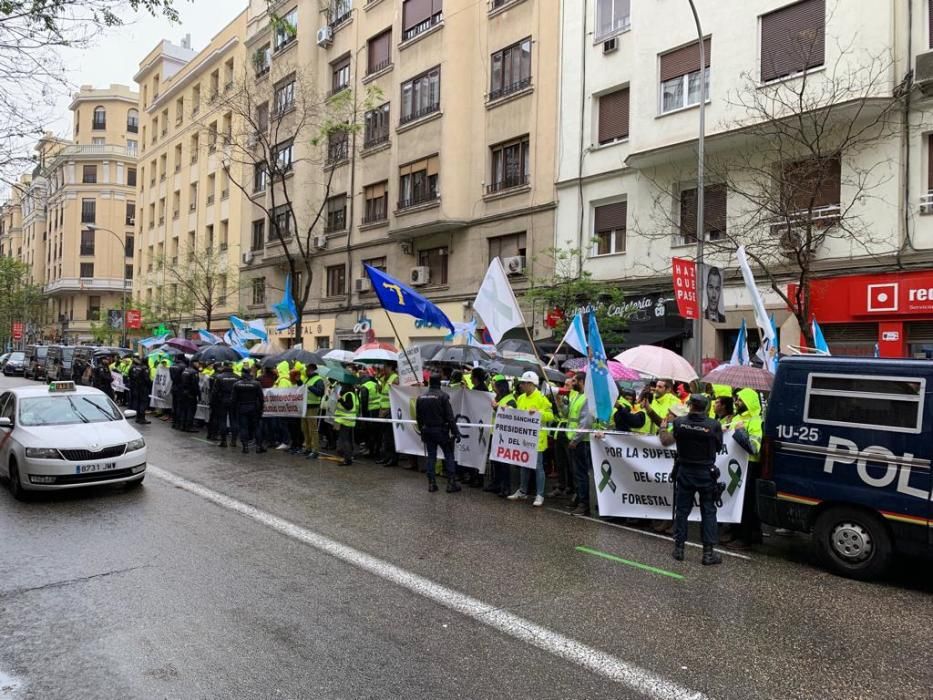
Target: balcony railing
pixel 87 249
pixel 507 183
pixel 337 151
pixel 418 198
pixel 418 113
pixel 379 66
pixel 505 90
pixel 336 221
pixel 431 21
pixel 926 203
pixel 132 128
pixel 819 217
pixel 377 139
pixel 376 212
pixel 337 89
pixel 99 124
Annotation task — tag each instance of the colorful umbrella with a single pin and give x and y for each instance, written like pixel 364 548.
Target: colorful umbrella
pixel 184 345
pixel 339 356
pixel 376 353
pixel 658 362
pixel 741 377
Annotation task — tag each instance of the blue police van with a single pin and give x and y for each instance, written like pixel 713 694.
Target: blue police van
pixel 846 456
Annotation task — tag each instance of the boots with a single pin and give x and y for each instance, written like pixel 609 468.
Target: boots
pixel 432 485
pixel 710 557
pixel 678 552
pixel 452 485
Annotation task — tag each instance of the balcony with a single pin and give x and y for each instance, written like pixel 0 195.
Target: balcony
pixel 65 285
pixel 818 218
pixel 132 128
pixel 417 199
pixel 510 89
pixel 416 114
pixel 340 19
pixel 99 124
pixel 87 249
pixel 376 213
pixel 336 221
pixel 377 139
pixel 382 65
pixel 431 21
pixel 507 183
pixel 337 151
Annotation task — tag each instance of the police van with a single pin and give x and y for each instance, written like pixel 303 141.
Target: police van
pixel 846 455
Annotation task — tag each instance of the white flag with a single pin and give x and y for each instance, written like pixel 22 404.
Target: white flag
pixel 575 336
pixel 770 345
pixel 496 303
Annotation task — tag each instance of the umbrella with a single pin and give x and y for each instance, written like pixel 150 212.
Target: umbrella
pixel 460 355
pixel 508 368
pixel 183 345
pixel 305 357
pixel 388 347
pixel 655 361
pixel 515 345
pixel 741 377
pixel 216 353
pixel 429 350
pixel 617 370
pixel 375 355
pixel 554 375
pixel 338 374
pixel 339 356
pixel 575 363
pixel 270 347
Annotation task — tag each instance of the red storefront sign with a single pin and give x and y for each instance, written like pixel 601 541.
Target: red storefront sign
pixel 685 287
pixel 17 330
pixel 134 319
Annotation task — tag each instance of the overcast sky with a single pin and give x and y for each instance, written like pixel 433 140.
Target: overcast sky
pixel 116 54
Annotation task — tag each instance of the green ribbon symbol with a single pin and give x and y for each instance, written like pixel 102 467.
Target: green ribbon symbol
pixel 606 471
pixel 398 415
pixel 735 476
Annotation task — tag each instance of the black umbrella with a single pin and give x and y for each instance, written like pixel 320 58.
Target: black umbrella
pixel 216 353
pixel 515 345
pixel 429 350
pixel 510 368
pixel 305 357
pixel 461 355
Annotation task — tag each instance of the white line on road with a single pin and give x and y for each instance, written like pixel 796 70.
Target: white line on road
pixel 634 677
pixel 8 685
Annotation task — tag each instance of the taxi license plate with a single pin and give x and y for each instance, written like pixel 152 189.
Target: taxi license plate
pixel 91 468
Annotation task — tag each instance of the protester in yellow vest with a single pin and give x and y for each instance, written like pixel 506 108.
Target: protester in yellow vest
pixel 348 408
pixel 389 456
pixel 628 416
pixel 309 424
pixel 664 401
pixel 535 402
pixel 370 404
pixel 747 425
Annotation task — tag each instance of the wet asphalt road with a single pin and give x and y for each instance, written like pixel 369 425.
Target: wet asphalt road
pixel 162 593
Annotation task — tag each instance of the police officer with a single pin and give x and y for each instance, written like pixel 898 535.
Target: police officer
pixel 188 398
pixel 222 402
pixel 438 428
pixel 247 402
pixel 102 378
pixel 175 372
pixel 141 387
pixel 699 439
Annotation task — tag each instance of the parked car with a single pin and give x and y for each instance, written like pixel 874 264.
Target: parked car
pixel 61 359
pixel 15 364
pixel 36 356
pixel 3 358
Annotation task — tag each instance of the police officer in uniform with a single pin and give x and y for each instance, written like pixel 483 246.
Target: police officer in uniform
pixel 247 402
pixel 174 373
pixel 699 439
pixel 102 378
pixel 222 403
pixel 141 387
pixel 188 398
pixel 438 428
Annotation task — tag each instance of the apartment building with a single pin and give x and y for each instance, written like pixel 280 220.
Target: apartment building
pixel 452 162
pixel 11 220
pixel 626 178
pixel 189 223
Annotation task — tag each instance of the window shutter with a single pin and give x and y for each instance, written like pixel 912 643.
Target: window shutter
pixel 714 213
pixel 684 60
pixel 688 214
pixel 414 12
pixel 613 115
pixel 793 39
pixel 432 165
pixel 611 217
pixel 379 50
pixel 811 179
pixel 930 163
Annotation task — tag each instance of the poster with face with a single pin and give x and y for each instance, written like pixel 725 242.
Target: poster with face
pixel 714 303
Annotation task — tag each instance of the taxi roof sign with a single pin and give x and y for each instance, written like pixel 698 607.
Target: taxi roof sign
pixel 61 387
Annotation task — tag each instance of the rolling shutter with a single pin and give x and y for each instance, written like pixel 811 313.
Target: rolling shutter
pixel 683 61
pixel 379 50
pixel 613 116
pixel 611 217
pixel 414 12
pixel 793 39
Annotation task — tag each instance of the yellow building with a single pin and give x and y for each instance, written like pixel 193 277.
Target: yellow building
pixel 11 221
pixel 84 196
pixel 189 223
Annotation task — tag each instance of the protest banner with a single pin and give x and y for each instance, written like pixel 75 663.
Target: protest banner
pixel 472 407
pixel 161 396
pixel 402 401
pixel 203 411
pixel 633 477
pixel 515 438
pixel 287 402
pixel 411 374
pixel 117 382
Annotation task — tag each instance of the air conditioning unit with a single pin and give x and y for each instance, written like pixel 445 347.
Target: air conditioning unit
pixel 325 37
pixel 363 284
pixel 611 45
pixel 420 275
pixel 923 75
pixel 320 242
pixel 131 221
pixel 247 257
pixel 926 207
pixel 514 265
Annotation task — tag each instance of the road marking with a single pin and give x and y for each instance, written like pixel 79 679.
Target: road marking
pixel 613 668
pixel 8 685
pixel 657 535
pixel 629 562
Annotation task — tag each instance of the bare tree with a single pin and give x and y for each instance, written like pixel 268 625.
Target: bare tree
pixel 205 280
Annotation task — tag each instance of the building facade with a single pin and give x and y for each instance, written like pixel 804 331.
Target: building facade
pixel 630 78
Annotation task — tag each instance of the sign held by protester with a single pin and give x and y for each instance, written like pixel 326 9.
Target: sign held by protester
pixel 472 407
pixel 413 373
pixel 407 438
pixel 161 396
pixel 203 411
pixel 633 477
pixel 287 402
pixel 515 438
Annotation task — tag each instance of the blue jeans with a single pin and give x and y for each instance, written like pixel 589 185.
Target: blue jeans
pixel 582 461
pixel 539 477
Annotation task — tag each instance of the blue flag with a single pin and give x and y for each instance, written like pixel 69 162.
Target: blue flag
pixel 285 310
pixel 395 296
pixel 819 342
pixel 600 388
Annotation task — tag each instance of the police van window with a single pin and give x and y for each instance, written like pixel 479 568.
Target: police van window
pixel 884 403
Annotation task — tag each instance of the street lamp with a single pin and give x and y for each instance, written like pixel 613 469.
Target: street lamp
pixel 701 197
pixel 122 244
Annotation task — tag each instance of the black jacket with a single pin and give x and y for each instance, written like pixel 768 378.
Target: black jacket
pixel 175 372
pixel 626 421
pixel 222 391
pixel 102 379
pixel 434 414
pixel 698 438
pixel 191 383
pixel 139 379
pixel 247 396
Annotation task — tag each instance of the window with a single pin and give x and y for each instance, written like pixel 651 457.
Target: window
pixel 283 157
pixel 164 122
pixel 336 280
pixel 286 29
pixel 421 95
pixel 132 147
pixel 284 97
pixel 100 118
pixel 260 175
pixel 98 141
pixel 89 174
pixel 178 157
pixel 262 60
pixel 810 185
pixel 376 202
pixel 883 403
pixel 257 241
pixel 128 245
pixel 613 116
pixel 179 110
pixel 212 137
pixel 131 177
pixel 87 270
pixel 193 196
pixel 88 211
pixel 262 117
pixel 714 214
pixel 510 166
pixel 612 17
pixel 282 223
pixel 418 182
pixel 377 263
pixel 336 213
pixel 128 272
pixel 609 228
pixel 132 121
pixel 376 130
pixel 195 147
pixel 87 242
pixel 130 213
pixel 379 52
pixel 793 39
pixel 680 76
pixel 435 259
pixel 93 307
pixel 340 75
pixel 419 16
pixel 338 146
pixel 511 69
pixel 340 11
pixel 259 291
pixel 509 246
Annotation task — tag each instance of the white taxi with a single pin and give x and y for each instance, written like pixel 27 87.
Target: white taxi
pixel 63 436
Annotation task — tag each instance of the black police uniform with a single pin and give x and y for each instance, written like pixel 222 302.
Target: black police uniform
pixel 699 439
pixel 435 418
pixel 174 373
pixel 188 401
pixel 103 379
pixel 222 406
pixel 247 401
pixel 141 387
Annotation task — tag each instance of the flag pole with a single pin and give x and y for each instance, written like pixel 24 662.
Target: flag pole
pixel 555 352
pixel 400 343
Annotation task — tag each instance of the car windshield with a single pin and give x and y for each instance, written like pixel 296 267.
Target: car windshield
pixel 42 352
pixel 18 356
pixel 67 409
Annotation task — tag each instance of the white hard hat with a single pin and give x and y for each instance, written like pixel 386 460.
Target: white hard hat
pixel 531 377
